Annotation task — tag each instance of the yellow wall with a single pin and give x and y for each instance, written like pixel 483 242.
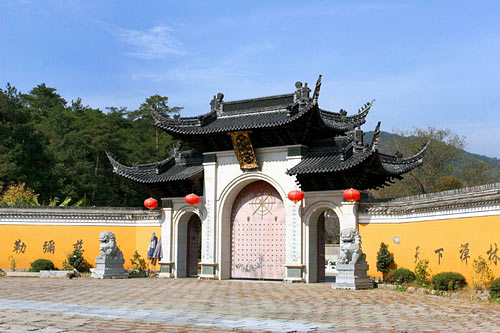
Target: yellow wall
pixel 479 232
pixel 128 238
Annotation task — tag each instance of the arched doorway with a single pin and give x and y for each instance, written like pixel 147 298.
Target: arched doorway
pixel 193 253
pixel 327 241
pixel 258 238
pixel 188 248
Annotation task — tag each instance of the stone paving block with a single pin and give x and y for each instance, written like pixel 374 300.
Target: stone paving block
pixel 226 305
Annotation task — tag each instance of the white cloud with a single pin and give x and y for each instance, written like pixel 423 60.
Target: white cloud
pixel 154 43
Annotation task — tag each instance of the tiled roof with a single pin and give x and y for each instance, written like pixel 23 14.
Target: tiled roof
pixel 324 160
pixel 397 166
pixel 210 123
pixel 269 103
pixel 467 197
pixel 340 121
pixel 164 171
pixel 262 112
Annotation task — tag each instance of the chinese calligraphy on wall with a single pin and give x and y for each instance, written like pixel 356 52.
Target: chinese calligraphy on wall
pixel 464 254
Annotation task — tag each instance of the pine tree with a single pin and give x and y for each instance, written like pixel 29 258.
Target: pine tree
pixel 384 259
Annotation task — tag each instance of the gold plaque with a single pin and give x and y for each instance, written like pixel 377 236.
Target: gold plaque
pixel 244 150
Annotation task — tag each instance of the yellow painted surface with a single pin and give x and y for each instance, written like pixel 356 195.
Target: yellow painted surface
pixel 451 235
pixel 128 238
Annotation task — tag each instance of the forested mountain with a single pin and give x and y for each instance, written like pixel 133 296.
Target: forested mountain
pixel 58 148
pixel 386 138
pixel 446 164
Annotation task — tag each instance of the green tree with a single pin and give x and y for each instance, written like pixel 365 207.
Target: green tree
pixel 143 118
pixel 438 169
pixel 58 150
pixel 22 153
pixel 477 172
pixel 19 195
pixel 384 259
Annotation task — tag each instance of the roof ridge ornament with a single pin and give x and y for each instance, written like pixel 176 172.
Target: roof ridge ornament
pixel 366 107
pixel 376 137
pixel 301 95
pixel 176 151
pixel 216 104
pixel 316 90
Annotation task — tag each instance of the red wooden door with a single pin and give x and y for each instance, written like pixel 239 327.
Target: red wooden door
pixel 258 233
pixel 320 239
pixel 193 252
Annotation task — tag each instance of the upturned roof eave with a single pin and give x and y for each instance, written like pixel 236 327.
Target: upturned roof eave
pixel 399 166
pixel 344 122
pixel 147 173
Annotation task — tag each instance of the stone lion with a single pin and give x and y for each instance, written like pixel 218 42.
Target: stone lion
pixel 350 246
pixel 108 248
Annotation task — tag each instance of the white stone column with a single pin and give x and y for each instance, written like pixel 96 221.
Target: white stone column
pixel 293 232
pixel 352 272
pixel 294 263
pixel 349 218
pixel 167 240
pixel 208 232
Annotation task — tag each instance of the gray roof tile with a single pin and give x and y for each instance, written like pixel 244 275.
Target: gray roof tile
pixel 264 112
pixel 164 171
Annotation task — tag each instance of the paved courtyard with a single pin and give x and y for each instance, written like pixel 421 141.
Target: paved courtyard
pixel 142 305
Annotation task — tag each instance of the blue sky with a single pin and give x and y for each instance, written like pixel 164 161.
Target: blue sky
pixel 427 63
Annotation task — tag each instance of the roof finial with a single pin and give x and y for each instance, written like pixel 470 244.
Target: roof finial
pixel 216 104
pixel 376 137
pixel 301 95
pixel 316 90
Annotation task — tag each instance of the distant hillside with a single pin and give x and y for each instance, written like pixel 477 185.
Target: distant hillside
pixel 385 137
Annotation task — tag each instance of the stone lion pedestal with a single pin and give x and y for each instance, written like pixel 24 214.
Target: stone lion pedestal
pixel 109 263
pixel 351 266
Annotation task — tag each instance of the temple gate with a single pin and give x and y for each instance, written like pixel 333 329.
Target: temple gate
pixel 245 157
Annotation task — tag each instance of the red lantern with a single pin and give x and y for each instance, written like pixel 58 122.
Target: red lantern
pixel 192 199
pixel 296 195
pixel 151 203
pixel 351 195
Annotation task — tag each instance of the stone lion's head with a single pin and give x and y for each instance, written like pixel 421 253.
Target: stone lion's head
pixel 107 236
pixel 348 235
pixel 108 242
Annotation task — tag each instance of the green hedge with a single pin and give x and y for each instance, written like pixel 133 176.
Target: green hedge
pixel 42 265
pixel 402 275
pixel 448 281
pixel 495 288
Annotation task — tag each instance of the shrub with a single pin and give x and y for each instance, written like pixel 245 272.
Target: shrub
pixel 402 275
pixel 42 265
pixel 495 288
pixel 482 274
pixel 138 263
pixel 422 271
pixel 77 261
pixel 384 259
pixel 19 195
pixel 389 276
pixel 448 281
